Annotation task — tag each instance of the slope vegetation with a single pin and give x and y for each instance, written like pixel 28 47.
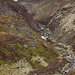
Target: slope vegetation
pixel 21 48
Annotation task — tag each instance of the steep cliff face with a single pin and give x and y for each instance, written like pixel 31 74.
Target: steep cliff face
pixel 21 48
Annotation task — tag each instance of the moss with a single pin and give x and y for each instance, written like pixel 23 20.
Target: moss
pixel 6 52
pixel 38 65
pixel 18 44
pixel 34 54
pixel 63 69
pixel 25 53
pixel 42 52
pixel 28 53
pixel 1 62
pixel 16 58
pixel 40 49
pixel 46 51
pixel 13 30
pixel 9 62
pixel 35 64
pixel 32 62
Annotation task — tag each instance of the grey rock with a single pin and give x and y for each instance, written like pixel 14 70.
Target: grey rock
pixel 25 46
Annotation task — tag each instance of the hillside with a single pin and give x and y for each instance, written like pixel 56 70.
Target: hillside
pixel 37 37
pixel 57 19
pixel 21 48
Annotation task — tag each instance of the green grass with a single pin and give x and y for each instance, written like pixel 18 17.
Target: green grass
pixel 1 62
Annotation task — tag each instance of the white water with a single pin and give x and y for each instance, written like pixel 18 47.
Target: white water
pixel 43 37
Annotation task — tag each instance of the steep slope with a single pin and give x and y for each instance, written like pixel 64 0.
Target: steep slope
pixel 44 9
pixel 20 9
pixel 57 19
pixel 58 16
pixel 21 48
pixel 30 5
pixel 62 24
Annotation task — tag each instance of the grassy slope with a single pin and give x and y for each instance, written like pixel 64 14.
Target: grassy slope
pixel 13 40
